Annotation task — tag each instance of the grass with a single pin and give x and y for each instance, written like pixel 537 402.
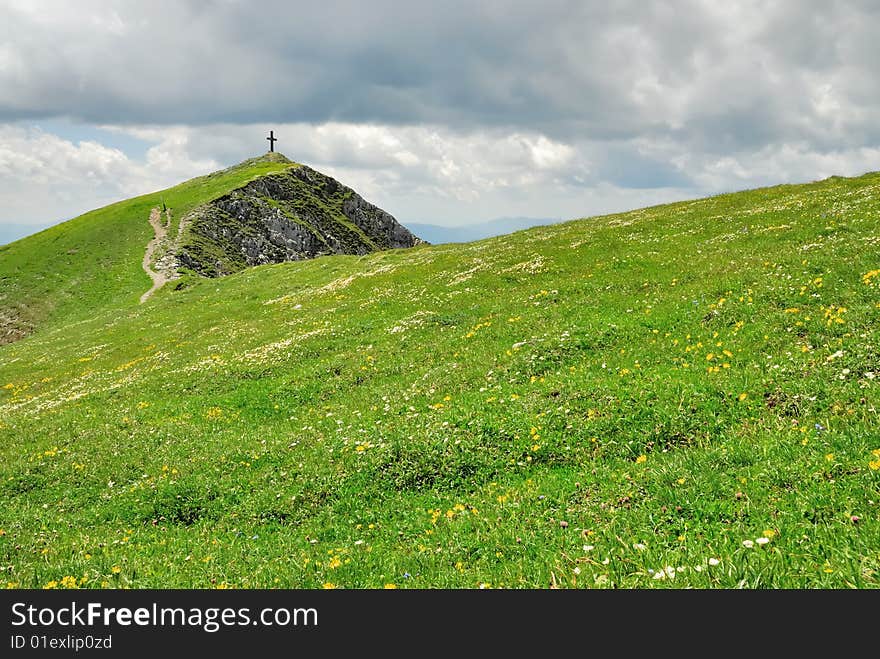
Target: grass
pixel 680 396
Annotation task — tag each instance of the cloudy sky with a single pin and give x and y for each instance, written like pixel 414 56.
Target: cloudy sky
pixel 446 113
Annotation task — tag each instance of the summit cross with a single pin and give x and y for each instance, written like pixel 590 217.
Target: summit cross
pixel 272 139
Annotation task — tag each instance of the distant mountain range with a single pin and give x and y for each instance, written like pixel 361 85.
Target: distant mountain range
pixel 437 234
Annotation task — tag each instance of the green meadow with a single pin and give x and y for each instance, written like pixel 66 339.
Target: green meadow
pixel 680 396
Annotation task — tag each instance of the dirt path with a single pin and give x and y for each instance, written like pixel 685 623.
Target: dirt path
pixel 181 227
pixel 159 278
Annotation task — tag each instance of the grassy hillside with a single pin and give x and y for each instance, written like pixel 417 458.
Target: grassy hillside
pixel 94 260
pixel 684 395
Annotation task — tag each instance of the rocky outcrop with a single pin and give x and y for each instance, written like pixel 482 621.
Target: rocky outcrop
pixel 292 215
pixel 13 324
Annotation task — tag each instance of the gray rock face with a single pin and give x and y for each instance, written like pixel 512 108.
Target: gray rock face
pixel 295 214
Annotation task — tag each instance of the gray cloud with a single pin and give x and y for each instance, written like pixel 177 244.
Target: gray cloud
pixel 723 75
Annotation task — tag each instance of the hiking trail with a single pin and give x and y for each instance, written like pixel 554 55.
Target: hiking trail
pixel 158 276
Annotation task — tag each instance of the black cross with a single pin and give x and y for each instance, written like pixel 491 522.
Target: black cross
pixel 272 139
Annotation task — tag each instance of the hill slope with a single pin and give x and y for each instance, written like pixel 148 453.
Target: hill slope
pixel 266 209
pixel 684 395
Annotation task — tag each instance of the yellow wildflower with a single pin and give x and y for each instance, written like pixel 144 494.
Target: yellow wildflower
pixel 68 582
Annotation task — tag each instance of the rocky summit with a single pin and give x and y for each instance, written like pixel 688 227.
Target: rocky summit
pixel 289 215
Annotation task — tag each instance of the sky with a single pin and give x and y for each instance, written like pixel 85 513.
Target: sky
pixel 450 113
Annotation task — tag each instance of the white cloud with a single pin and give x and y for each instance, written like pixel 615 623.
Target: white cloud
pixel 418 173
pixel 770 164
pixel 392 164
pixel 44 177
pixel 783 163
